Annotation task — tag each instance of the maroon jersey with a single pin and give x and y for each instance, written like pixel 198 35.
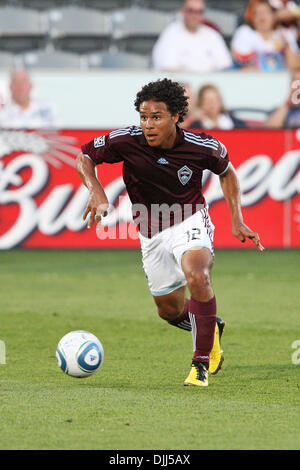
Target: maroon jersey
pixel 159 177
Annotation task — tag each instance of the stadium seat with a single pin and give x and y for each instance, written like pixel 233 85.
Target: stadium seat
pixel 52 59
pixel 119 60
pixel 22 29
pixel 137 29
pixel 7 60
pixel 163 5
pixel 235 6
pixel 106 4
pixel 226 21
pixel 92 32
pixel 253 117
pixel 43 4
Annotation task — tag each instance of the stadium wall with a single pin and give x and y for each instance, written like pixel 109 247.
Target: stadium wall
pixel 99 100
pixel 42 199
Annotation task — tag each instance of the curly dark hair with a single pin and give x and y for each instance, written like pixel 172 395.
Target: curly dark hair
pixel 169 92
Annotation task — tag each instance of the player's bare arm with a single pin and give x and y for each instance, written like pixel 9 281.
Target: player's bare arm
pixel 97 204
pixel 231 190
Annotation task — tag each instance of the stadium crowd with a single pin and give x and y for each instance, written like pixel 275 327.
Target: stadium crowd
pixel 266 39
pixel 24 112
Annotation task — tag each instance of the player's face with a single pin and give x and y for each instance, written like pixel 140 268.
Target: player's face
pixel 158 125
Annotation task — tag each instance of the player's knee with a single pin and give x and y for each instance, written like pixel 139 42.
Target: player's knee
pixel 199 279
pixel 168 312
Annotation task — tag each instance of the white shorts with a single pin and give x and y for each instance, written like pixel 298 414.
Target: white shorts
pixel 162 253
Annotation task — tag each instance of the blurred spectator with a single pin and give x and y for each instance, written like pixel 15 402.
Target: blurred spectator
pixel 287 14
pixel 211 113
pixel 190 116
pixel 188 44
pixel 23 112
pixel 285 10
pixel 260 46
pixel 287 116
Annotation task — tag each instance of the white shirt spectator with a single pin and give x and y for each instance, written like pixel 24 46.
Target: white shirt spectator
pixel 178 49
pixel 249 47
pixel 36 116
pixel 224 122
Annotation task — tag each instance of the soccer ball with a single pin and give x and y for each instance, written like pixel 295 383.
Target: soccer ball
pixel 79 353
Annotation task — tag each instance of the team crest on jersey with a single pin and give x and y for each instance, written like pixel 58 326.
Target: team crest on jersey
pixel 184 175
pixel 99 141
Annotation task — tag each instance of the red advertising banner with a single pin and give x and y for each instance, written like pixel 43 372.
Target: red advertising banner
pixel 42 199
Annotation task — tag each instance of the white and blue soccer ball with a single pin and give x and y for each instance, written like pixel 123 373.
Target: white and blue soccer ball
pixel 79 353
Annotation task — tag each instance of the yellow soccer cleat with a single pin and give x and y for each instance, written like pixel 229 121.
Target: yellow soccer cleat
pixel 216 356
pixel 198 375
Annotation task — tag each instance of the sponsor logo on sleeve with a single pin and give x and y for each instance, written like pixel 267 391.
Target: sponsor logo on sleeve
pixel 223 151
pixel 99 141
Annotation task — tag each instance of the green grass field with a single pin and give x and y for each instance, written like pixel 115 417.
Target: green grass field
pixel 137 399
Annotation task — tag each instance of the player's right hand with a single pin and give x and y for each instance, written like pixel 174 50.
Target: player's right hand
pixel 97 207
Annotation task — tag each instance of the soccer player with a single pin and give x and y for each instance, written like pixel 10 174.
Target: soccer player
pixel 162 171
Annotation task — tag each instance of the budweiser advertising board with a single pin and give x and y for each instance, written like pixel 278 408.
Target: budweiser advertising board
pixel 42 199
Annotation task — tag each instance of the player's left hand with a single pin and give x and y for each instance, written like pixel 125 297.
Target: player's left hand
pixel 241 231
